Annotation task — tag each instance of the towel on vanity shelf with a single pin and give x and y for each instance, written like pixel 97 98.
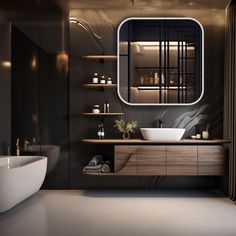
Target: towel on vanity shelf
pixel 96 160
pixel 106 167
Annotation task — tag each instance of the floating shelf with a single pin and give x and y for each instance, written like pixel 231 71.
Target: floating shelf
pixel 101 174
pixel 141 141
pixel 103 114
pixel 151 87
pixel 100 57
pixel 99 85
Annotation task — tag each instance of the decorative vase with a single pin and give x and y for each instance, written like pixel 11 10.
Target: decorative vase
pixel 126 135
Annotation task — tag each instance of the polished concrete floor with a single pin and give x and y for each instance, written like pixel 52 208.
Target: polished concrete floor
pixel 121 213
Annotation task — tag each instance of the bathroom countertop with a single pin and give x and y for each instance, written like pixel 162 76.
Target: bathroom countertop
pixel 142 141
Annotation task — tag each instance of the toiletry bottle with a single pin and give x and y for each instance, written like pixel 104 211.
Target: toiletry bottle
pixel 142 80
pixel 107 107
pixel 102 132
pixel 156 78
pixel 109 81
pixel 172 80
pixel 95 78
pixel 162 78
pixel 96 109
pixel 99 132
pixel 102 80
pixel 151 80
pixel 146 79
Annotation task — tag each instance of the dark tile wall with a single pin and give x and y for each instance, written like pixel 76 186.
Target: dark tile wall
pixel 5 85
pixel 97 35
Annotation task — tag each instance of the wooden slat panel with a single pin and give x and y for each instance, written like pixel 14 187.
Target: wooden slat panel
pixel 181 160
pixel 125 160
pixel 151 160
pixel 211 160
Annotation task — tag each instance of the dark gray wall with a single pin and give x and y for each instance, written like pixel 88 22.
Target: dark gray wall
pixel 5 85
pixel 83 41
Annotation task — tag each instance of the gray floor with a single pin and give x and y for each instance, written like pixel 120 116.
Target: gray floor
pixel 113 213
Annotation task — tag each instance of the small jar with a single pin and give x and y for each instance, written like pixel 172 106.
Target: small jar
pixel 95 78
pixel 109 81
pixel 96 109
pixel 198 136
pixel 102 80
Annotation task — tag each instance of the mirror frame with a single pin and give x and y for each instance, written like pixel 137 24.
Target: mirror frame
pixel 118 61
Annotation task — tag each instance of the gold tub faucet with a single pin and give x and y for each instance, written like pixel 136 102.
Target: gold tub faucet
pixel 17 147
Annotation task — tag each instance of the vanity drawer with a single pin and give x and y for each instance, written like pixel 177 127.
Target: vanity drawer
pixel 125 160
pixel 211 160
pixel 181 160
pixel 151 160
pixel 140 160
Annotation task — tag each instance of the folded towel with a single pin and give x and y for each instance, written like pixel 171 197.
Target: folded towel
pixel 96 160
pixel 106 167
pixel 97 167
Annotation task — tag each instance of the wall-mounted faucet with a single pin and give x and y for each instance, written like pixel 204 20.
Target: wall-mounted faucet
pixel 160 123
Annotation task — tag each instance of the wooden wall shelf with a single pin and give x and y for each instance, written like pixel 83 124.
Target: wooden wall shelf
pixel 141 141
pixel 99 86
pixel 102 114
pixel 100 57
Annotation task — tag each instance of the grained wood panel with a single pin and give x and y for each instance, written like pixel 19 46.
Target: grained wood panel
pixel 181 160
pixel 211 160
pixel 125 160
pixel 151 160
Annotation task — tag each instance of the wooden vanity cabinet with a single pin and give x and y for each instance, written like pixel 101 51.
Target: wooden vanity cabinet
pixel 169 160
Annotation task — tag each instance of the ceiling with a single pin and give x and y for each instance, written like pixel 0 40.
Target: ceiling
pixel 144 4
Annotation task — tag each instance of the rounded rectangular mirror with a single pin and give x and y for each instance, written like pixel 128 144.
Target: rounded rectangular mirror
pixel 160 61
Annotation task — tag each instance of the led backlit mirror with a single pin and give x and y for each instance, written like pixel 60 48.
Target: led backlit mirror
pixel 160 61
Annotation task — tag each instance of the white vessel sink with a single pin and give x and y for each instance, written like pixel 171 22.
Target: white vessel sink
pixel 162 134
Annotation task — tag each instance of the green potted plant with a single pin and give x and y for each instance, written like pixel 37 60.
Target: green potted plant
pixel 125 127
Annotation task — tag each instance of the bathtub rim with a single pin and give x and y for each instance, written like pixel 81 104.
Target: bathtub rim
pixel 39 158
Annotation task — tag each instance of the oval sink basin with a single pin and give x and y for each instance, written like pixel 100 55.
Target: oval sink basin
pixel 162 134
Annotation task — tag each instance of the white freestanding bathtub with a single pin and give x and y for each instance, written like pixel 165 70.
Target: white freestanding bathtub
pixel 20 177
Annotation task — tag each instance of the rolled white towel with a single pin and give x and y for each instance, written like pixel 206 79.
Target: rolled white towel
pixel 106 167
pixel 96 160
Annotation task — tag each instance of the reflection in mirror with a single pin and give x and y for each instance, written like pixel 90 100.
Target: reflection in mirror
pixel 160 61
